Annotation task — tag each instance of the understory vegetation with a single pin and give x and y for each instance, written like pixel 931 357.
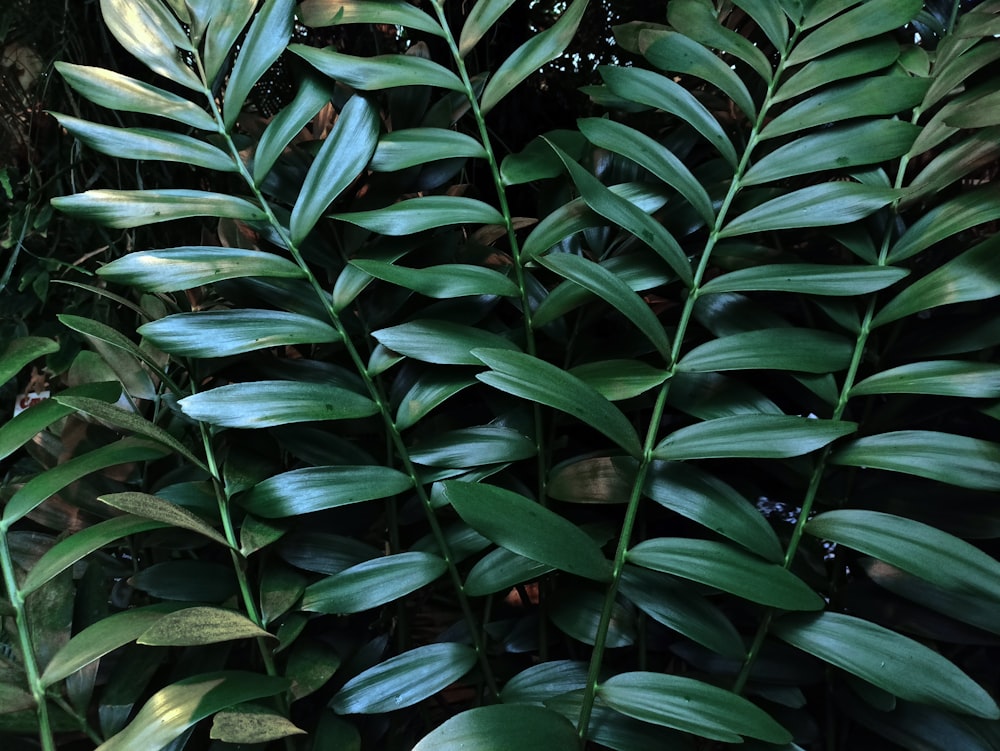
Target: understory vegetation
pixel 406 397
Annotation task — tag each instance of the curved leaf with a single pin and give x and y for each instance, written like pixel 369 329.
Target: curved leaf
pixel 769 17
pixel 867 20
pixel 378 72
pixel 199 625
pixel 805 350
pixel 502 727
pixel 807 278
pixel 123 209
pixel 446 281
pixel 427 393
pixel 698 21
pixel 888 660
pixel 472 447
pixel 372 583
pixel 21 352
pixel 856 60
pixel 480 20
pixel 419 214
pixel 527 528
pixel 619 379
pixel 499 570
pixel 393 12
pixel 975 380
pixel 264 404
pixel 303 491
pixel 544 681
pixel 410 147
pixel 152 35
pixel 440 342
pixel 946 220
pixel 312 96
pixel 161 510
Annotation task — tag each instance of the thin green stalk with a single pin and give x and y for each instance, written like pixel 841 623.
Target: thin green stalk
pixel 81 720
pixel 27 648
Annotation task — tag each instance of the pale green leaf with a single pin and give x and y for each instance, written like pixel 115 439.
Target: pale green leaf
pixel 225 23
pixel 480 20
pixel 152 35
pixel 975 380
pixel 251 724
pixel 379 72
pixel 312 96
pixel 410 147
pixel 869 19
pixel 440 342
pixel 372 583
pixel 161 510
pixel 446 281
pixel 393 12
pixel 133 208
pixel 418 214
pixel 303 491
pixel 199 625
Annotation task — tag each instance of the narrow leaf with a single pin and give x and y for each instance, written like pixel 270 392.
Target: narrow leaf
pixel 392 12
pixel 410 147
pixel 161 510
pixel 21 352
pixel 221 333
pixel 720 565
pixel 123 209
pixel 531 378
pixel 312 96
pixel 820 205
pixel 199 625
pixel 694 707
pixel 372 583
pixel 855 60
pixel 698 21
pixel 303 491
pixel 619 379
pixel 532 55
pixel 152 35
pixel 945 457
pixel 867 20
pixel 175 269
pixel 446 281
pixel 428 392
pixel 525 527
pixel 807 278
pixel 472 447
pixel 769 17
pixel 805 350
pixel 419 214
pixel 224 27
pixel 378 72
pixel 499 570
pixel 480 20
pixel 440 342
pixel 543 681
pixel 888 660
pixel 751 436
pixel 265 404
pixel 502 727
pixel 974 380
pixel 946 220
pixel 341 158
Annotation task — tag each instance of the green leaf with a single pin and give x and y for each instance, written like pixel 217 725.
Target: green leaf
pixel 869 19
pixel 101 334
pixel 689 705
pixel 265 404
pixel 312 96
pixel 974 275
pixel 871 95
pixel 342 157
pixel 404 680
pixel 751 437
pixel 372 583
pixel 147 144
pixel 303 491
pixel 769 17
pixel 855 60
pixel 128 420
pixel 532 55
pixel 21 352
pixel 888 660
pixel 119 92
pixel 101 638
pixel 594 479
pixel 411 147
pixel 920 549
pixel 502 727
pixel 649 154
pixel 446 281
pixel 869 142
pixel 981 112
pixel 675 52
pixel 378 72
pixel 172 710
pixel 536 161
pixel 17 431
pixel 221 333
pixel 807 279
pixel 952 164
pixel 698 21
pixel 655 90
pixel 151 34
pixel 160 510
pixel 472 447
pixel 174 269
pixel 224 26
pixel 499 570
pixel 440 342
pixel 251 724
pixel 264 42
pixel 419 214
pixel 393 12
pixel 429 391
pixel 613 290
pixel 805 350
pixel 79 545
pixel 820 205
pixel 619 379
pixel 681 607
pixel 199 625
pixel 576 215
pixel 543 681
pixel 945 457
pixel 702 497
pixel 534 379
pixel 720 565
pixel 480 20
pixel 577 613
pixel 946 220
pixel 973 380
pixel 123 209
pixel 527 528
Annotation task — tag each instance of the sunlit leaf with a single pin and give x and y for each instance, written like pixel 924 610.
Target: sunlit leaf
pixel 378 72
pixel 224 26
pixel 440 342
pixel 393 12
pixel 132 208
pixel 445 281
pixel 482 17
pixel 199 625
pixel 161 510
pixel 419 214
pixel 410 147
pixel 373 583
pixel 152 35
pixel 303 491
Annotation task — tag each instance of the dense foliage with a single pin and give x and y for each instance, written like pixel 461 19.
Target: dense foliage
pixel 662 421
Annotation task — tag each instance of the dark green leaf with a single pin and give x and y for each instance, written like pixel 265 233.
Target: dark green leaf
pixel 807 278
pixel 527 528
pixel 379 72
pixel 954 163
pixel 544 681
pixel 160 510
pixel 264 42
pixel 502 727
pixel 445 281
pixel 956 215
pixel 430 390
pixel 312 96
pixel 888 660
pixel 577 613
pixel 856 60
pixel 303 491
pixel 393 12
pixel 341 158
pixel 410 147
pixel 619 379
pixel 221 333
pixel 133 208
pixel 751 436
pixel 869 19
pixel 816 206
pixel 440 342
pixel 698 21
pixel 945 457
pixel 499 570
pixel 531 378
pixel 769 17
pixel 372 583
pixel 689 705
pixel 536 161
pixel 264 404
pixel 805 350
pixel 472 447
pixel 730 569
pixel 21 352
pixel 532 55
pixel 975 380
